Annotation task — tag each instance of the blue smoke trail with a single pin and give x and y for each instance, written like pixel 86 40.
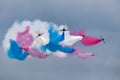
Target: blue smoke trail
pixel 55 39
pixel 16 52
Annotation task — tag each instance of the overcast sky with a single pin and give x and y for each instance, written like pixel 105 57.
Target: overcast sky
pixel 97 17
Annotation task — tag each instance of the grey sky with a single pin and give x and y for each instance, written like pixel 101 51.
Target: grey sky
pixel 97 17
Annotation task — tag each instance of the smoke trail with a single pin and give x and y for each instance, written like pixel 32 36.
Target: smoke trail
pixel 39 39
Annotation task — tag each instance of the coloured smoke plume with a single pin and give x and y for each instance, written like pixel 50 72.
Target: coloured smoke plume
pixel 41 39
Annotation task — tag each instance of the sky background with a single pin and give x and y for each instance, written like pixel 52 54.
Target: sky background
pixel 97 17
